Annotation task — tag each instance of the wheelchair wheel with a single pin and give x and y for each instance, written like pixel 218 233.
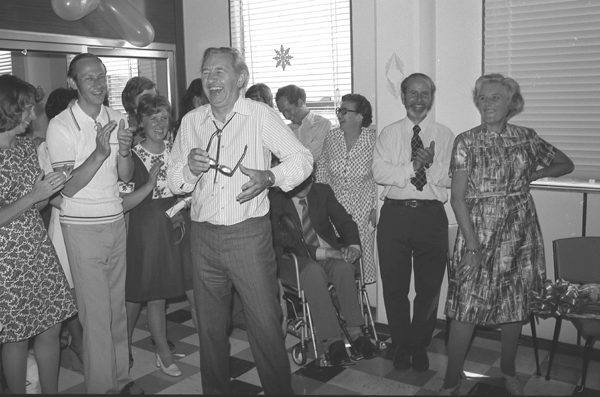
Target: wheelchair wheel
pixel 284 309
pixel 299 355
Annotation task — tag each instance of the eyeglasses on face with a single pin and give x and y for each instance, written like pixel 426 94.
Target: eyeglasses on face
pixel 344 111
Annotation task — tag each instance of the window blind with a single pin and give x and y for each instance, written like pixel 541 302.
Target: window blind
pixel 552 49
pixel 309 39
pixel 5 62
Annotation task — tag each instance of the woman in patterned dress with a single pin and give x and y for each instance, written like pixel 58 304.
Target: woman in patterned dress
pixel 156 260
pixel 34 294
pixel 499 252
pixel 345 165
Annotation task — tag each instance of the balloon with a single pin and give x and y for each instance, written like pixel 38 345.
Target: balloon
pixel 128 22
pixel 72 10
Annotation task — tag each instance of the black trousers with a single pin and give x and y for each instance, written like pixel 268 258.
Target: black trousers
pixel 412 238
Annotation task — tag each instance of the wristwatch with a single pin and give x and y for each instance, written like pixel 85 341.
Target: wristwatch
pixel 271 178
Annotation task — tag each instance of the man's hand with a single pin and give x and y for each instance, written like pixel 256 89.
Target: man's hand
pixel 125 137
pixel 259 181
pixel 198 161
pixel 103 139
pixel 424 157
pixel 350 254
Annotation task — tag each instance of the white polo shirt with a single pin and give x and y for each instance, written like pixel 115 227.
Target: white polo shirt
pixel 71 138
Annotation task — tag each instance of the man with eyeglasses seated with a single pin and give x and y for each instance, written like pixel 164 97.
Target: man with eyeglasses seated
pixel 231 231
pixel 313 211
pixel 309 127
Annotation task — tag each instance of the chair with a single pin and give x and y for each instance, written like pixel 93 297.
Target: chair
pixel 577 260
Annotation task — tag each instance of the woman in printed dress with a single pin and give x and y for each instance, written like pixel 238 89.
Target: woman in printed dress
pixel 158 257
pixel 345 165
pixel 499 251
pixel 34 294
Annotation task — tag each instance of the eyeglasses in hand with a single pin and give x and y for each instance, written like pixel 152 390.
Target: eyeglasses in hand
pixel 214 162
pixel 344 111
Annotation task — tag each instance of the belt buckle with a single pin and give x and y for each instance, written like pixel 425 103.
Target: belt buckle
pixel 412 203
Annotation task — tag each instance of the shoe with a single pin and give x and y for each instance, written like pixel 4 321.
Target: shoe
pixel 365 347
pixel 171 370
pixel 171 344
pixel 420 361
pixel 453 391
pixel 338 356
pixel 76 360
pixel 402 358
pixel 130 360
pixel 132 388
pixel 513 385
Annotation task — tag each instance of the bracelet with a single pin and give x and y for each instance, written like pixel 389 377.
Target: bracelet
pixel 470 251
pixel 127 155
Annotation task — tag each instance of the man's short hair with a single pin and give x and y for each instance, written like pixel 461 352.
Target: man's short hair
pixel 404 84
pixel 261 90
pixel 292 93
pixel 134 87
pixel 73 65
pixel 239 65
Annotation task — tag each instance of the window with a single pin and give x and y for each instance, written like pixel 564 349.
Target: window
pixel 552 48
pixel 303 43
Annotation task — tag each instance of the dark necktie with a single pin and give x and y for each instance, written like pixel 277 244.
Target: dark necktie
pixel 310 236
pixel 420 179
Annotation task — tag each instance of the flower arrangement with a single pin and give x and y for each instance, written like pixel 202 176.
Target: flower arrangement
pixel 569 300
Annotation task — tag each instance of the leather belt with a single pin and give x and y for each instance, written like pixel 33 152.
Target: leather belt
pixel 412 203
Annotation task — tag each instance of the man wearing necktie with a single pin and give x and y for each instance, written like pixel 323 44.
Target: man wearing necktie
pixel 411 161
pixel 322 259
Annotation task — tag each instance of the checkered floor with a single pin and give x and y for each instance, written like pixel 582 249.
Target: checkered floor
pixel 376 376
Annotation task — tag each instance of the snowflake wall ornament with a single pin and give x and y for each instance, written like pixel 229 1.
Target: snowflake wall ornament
pixel 394 73
pixel 283 57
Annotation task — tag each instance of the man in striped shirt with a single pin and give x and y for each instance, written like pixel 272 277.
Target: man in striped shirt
pixel 222 154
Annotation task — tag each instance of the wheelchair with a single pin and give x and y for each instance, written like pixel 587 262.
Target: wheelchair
pixel 298 322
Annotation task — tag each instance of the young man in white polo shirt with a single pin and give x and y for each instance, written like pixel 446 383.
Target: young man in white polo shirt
pixel 93 139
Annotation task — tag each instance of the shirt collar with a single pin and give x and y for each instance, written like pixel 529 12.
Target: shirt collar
pixel 424 124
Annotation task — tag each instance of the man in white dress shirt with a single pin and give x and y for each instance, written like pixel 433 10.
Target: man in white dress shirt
pixel 310 128
pixel 411 160
pixel 222 154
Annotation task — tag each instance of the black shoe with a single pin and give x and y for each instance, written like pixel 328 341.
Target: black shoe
pixel 132 388
pixel 402 358
pixel 338 356
pixel 420 361
pixel 130 360
pixel 365 347
pixel 171 345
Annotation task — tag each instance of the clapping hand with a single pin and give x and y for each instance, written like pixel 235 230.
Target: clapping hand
pixel 103 139
pixel 154 171
pixel 45 187
pixel 424 156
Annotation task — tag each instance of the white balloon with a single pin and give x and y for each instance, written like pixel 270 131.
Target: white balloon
pixel 72 10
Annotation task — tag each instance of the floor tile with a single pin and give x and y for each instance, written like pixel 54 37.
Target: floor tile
pixel 375 376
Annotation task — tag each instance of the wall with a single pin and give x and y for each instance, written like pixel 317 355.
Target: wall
pixel 206 24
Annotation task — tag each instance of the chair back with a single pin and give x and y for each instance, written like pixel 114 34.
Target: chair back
pixel 577 259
